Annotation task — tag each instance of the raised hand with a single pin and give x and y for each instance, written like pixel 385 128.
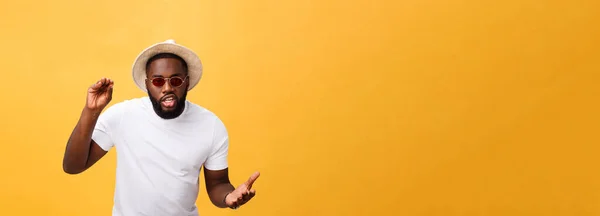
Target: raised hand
pixel 99 94
pixel 242 194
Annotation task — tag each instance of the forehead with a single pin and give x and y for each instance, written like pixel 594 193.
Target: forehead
pixel 165 67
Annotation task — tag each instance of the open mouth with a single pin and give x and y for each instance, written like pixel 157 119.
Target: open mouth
pixel 168 101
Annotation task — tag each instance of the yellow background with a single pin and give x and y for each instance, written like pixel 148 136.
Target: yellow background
pixel 428 107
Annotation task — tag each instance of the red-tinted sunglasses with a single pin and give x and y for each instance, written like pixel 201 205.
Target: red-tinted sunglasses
pixel 174 81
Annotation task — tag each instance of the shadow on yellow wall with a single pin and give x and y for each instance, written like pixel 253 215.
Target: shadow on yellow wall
pixel 346 107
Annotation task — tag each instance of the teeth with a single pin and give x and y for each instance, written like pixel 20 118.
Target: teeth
pixel 169 99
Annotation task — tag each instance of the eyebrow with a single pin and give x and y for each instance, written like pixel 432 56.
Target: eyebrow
pixel 174 75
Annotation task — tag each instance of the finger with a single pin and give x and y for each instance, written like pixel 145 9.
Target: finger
pixel 102 82
pixel 249 194
pixel 96 85
pixel 107 82
pixel 110 83
pixel 110 90
pixel 247 198
pixel 251 180
pixel 245 194
pixel 252 193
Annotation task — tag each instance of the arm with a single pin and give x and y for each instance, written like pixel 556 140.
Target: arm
pixel 218 186
pixel 216 173
pixel 81 151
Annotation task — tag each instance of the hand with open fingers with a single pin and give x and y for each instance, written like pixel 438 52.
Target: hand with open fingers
pixel 99 94
pixel 242 194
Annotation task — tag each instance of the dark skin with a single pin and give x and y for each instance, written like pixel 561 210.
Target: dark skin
pixel 82 152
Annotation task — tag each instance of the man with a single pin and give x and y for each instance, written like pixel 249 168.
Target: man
pixel 162 140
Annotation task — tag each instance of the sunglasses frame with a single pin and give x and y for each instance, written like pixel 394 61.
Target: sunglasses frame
pixel 168 80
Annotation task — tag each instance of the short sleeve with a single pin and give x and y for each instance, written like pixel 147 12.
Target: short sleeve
pixel 217 159
pixel 107 123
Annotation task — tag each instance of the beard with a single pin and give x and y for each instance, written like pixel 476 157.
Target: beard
pixel 179 107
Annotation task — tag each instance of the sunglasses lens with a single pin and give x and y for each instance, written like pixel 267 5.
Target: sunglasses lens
pixel 176 81
pixel 158 82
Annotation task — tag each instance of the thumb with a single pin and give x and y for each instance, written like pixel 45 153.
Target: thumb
pixel 95 86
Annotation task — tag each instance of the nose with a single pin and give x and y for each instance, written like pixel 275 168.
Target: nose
pixel 167 88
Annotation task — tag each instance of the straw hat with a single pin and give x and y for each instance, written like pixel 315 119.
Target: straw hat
pixel 169 46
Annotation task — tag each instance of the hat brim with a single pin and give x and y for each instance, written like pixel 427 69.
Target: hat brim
pixel 193 62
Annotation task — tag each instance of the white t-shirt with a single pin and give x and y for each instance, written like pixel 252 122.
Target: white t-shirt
pixel 158 160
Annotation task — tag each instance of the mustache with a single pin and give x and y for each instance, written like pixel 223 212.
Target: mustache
pixel 169 95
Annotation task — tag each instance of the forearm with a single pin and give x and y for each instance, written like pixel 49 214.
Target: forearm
pixel 218 192
pixel 78 146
